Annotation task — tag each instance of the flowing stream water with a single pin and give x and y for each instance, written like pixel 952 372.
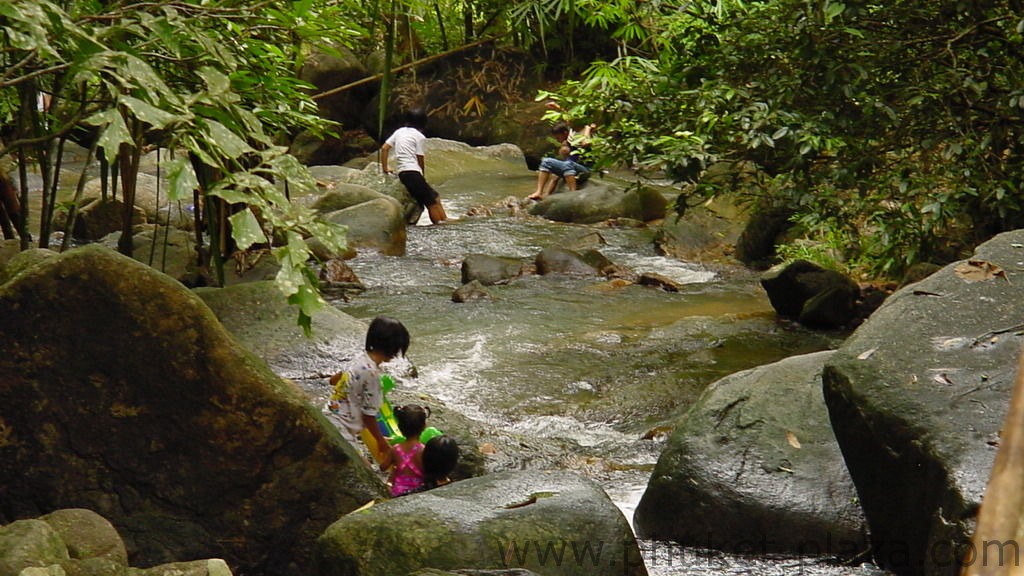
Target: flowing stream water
pixel 594 369
pixel 585 364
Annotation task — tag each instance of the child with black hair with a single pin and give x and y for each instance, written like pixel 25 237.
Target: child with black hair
pixel 357 395
pixel 440 455
pixel 406 459
pixel 408 143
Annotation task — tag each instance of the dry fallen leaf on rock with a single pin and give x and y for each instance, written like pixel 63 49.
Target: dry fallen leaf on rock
pixel 792 439
pixel 979 270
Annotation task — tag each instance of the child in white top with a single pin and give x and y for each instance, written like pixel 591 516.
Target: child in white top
pixel 357 396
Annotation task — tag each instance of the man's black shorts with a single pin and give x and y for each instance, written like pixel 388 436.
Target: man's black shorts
pixel 418 188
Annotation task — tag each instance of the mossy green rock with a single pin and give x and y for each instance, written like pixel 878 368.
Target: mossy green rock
pixel 378 224
pixel 260 318
pixel 553 523
pixel 122 393
pixel 598 202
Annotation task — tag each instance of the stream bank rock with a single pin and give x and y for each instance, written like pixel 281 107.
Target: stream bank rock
pixel 553 523
pixel 917 397
pixel 123 394
pixel 754 467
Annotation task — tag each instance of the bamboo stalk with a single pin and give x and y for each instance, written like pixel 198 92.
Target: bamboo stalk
pixel 995 549
pixel 419 62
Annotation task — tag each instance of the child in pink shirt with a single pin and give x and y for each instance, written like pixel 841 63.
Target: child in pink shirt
pixel 406 461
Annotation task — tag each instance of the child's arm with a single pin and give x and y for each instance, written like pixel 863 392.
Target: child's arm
pixel 388 462
pixel 422 163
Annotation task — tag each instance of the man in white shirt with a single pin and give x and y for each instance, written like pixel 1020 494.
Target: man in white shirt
pixel 409 152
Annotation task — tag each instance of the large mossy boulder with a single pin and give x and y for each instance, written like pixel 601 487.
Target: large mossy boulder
pixel 553 523
pixel 753 467
pixel 705 233
pixel 917 397
pixel 124 394
pixel 377 225
pixel 331 68
pixel 597 202
pixel 260 318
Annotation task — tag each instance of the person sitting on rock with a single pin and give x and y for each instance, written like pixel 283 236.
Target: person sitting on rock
pixel 566 163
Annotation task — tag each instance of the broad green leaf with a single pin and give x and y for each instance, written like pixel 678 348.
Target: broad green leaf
pixel 141 75
pixel 833 9
pixel 182 180
pixel 217 83
pixel 146 112
pixel 113 136
pixel 234 194
pixel 226 140
pixel 245 229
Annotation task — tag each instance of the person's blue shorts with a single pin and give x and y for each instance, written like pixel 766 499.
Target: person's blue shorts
pixel 562 167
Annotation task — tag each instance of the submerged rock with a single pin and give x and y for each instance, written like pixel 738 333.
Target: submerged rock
pixel 490 270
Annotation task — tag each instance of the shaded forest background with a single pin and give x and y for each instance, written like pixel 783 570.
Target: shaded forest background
pixel 878 135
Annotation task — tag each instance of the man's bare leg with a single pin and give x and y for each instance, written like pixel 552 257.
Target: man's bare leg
pixel 436 212
pixel 543 179
pixel 570 181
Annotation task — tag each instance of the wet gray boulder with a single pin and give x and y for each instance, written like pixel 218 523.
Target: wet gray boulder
pixel 917 397
pixel 347 187
pixel 553 523
pixel 705 233
pixel 753 467
pixel 556 260
pixel 598 201
pixel 122 393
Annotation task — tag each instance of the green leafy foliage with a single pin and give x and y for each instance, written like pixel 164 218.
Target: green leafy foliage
pixel 893 129
pixel 213 82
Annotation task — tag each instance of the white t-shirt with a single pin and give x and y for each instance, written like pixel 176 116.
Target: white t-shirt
pixel 408 144
pixel 357 392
